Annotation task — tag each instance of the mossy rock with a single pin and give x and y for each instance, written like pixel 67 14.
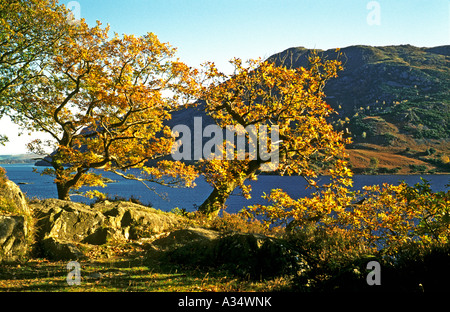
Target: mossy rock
pixel 16 222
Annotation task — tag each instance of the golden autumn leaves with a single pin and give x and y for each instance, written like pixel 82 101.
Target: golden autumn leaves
pixel 104 102
pixel 292 100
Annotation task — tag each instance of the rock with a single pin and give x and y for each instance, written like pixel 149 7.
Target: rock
pixel 61 250
pixel 103 235
pixel 15 219
pixel 65 220
pixel 184 237
pixel 10 190
pixel 141 221
pixel 105 222
pixel 13 238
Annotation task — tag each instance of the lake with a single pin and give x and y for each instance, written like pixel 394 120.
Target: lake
pixel 35 185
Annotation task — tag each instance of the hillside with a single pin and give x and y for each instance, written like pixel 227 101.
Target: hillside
pixel 18 159
pixel 393 101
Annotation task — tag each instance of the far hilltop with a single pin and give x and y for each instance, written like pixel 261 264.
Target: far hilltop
pixel 393 101
pixel 19 159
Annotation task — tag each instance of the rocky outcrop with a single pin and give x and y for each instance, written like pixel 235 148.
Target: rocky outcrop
pixel 64 225
pixel 65 220
pixel 136 221
pixel 13 238
pixel 15 221
pixel 10 190
pixel 61 250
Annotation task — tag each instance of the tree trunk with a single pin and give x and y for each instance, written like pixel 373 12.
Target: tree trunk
pixel 64 188
pixel 63 191
pixel 215 201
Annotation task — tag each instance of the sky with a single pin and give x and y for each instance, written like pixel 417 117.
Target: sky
pixel 219 30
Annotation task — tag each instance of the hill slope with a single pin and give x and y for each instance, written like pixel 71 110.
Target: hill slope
pixel 408 86
pixel 393 101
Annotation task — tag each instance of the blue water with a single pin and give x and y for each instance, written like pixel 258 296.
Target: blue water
pixel 188 198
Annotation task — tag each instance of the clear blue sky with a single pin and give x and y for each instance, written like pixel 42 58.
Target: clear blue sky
pixel 218 30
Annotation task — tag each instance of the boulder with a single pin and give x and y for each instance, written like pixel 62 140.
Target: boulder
pixel 11 191
pixel 182 237
pixel 68 222
pixel 15 220
pixel 135 220
pixel 13 238
pixel 61 250
pixel 65 220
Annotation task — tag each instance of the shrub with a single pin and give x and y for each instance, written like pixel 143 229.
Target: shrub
pixel 235 222
pixel 392 216
pixel 418 267
pixel 328 253
pixel 417 168
pixel 431 151
pixel 337 244
pixel 415 268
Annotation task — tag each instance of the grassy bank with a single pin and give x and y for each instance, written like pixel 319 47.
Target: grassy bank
pixel 124 269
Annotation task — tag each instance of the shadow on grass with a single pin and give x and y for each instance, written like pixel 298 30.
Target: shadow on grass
pixel 39 275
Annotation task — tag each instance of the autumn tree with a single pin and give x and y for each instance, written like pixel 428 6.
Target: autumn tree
pixel 29 30
pixel 103 101
pixel 269 97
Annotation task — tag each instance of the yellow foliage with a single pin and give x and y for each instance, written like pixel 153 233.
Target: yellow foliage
pixel 388 217
pixel 263 94
pixel 104 101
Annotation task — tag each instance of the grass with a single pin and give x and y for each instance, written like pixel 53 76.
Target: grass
pixel 124 269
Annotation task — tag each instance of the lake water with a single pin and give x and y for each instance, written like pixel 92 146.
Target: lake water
pixel 35 185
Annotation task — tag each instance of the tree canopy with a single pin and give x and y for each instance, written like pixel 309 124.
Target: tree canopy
pixel 268 96
pixel 29 30
pixel 103 101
